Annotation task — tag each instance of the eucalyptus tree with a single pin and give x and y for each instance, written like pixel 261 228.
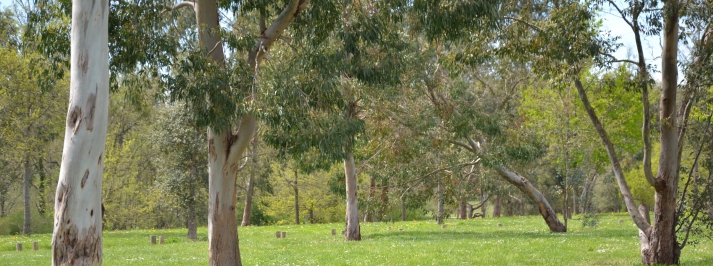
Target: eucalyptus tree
pixel 353 61
pixel 182 167
pixel 571 51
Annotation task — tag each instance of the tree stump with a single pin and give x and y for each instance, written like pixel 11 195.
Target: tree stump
pixel 160 240
pixel 35 245
pixel 284 234
pixel 334 231
pixel 153 240
pixel 278 234
pixel 19 246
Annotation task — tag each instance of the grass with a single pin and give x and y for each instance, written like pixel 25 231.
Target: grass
pixel 520 241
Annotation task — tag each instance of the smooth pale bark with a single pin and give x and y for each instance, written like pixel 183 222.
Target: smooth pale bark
pixel 225 150
pixel 27 221
pixel 225 147
pixel 247 210
pixel 77 236
pixel 540 201
pixel 353 230
pixel 664 248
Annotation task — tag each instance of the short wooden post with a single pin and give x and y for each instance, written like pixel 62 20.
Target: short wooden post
pixel 153 240
pixel 284 234
pixel 334 231
pixel 35 245
pixel 160 240
pixel 19 246
pixel 278 234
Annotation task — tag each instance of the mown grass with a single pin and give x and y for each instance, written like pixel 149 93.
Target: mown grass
pixel 519 241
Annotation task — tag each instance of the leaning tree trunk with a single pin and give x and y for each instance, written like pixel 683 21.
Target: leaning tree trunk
pixel 542 205
pixel 353 231
pixel 247 210
pixel 77 236
pixel 27 221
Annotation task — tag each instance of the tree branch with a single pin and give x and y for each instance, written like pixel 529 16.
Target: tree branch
pixel 273 32
pixel 532 26
pixel 184 4
pixel 639 220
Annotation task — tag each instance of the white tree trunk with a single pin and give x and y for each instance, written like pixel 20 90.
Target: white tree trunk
pixel 353 231
pixel 77 236
pixel 224 152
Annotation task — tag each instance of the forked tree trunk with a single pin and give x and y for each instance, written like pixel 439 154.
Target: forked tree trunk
pixel 225 150
pixel 542 205
pixel 353 231
pixel 77 236
pixel 247 210
pixel 225 147
pixel 663 247
pixel 27 221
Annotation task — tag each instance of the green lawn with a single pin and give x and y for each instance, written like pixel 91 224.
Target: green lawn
pixel 520 241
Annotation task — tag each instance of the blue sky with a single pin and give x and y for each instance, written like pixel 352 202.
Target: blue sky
pixel 4 3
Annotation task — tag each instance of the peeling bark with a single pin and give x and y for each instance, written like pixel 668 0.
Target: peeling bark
pixel 77 236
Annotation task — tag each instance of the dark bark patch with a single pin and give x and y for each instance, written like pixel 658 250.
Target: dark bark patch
pixel 211 149
pixel 90 106
pixel 84 179
pixel 74 119
pixel 91 213
pixel 100 159
pixel 83 61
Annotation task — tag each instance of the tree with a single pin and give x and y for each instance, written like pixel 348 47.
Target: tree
pixel 182 166
pixel 77 237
